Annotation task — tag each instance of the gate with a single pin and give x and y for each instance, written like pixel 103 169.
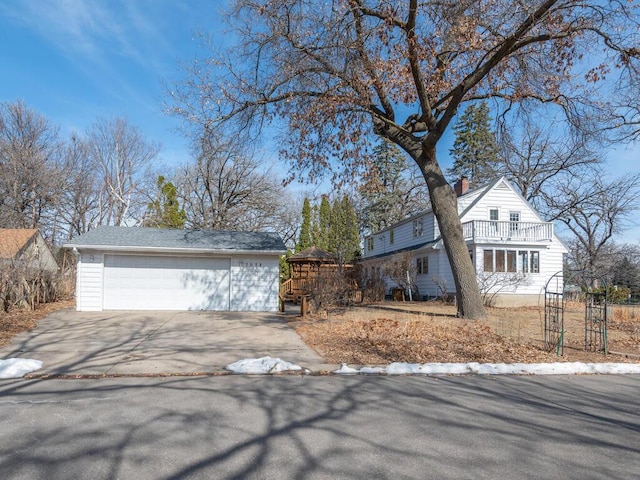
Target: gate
pixel 590 288
pixel 554 306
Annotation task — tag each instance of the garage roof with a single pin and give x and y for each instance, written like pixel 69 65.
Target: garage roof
pixel 166 239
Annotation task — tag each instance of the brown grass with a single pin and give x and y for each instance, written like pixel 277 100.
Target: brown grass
pixel 430 332
pixel 19 320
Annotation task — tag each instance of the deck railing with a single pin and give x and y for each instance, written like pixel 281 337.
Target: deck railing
pixel 296 286
pixel 507 231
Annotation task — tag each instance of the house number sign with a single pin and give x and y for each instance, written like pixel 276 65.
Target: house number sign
pixel 250 264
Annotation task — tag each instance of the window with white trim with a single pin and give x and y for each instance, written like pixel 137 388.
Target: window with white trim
pixel 418 227
pixel 370 243
pixel 511 261
pixel 514 219
pixel 422 265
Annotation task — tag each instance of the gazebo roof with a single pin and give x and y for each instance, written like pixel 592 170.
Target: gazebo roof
pixel 312 255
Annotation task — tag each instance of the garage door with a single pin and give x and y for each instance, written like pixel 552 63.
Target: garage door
pixel 141 282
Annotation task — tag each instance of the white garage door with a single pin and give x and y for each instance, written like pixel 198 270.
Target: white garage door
pixel 141 282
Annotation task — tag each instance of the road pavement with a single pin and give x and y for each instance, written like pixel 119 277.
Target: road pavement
pixel 320 427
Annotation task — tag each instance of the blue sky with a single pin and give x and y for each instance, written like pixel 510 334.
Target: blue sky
pixel 77 60
pixel 74 61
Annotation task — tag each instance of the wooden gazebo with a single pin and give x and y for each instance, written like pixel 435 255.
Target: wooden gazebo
pixel 306 266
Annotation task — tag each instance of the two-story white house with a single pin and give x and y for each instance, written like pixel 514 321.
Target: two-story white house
pixel 514 252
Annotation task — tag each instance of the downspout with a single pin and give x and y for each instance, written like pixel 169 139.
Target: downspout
pixel 76 253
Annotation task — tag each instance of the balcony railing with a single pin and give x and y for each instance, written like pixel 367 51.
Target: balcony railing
pixel 478 230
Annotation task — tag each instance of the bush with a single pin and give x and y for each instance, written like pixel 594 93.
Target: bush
pixel 614 293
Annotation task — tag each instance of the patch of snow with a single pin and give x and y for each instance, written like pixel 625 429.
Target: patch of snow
pixel 263 365
pixel 18 367
pixel 559 368
pixel 346 370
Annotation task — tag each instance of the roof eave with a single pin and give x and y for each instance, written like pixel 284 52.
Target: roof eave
pixel 209 251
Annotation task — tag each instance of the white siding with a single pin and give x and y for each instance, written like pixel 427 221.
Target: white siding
pixel 161 282
pixel 255 283
pixel 403 236
pixel 532 283
pixel 89 282
pixel 505 199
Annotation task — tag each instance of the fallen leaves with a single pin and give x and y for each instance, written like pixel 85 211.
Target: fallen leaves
pixel 368 336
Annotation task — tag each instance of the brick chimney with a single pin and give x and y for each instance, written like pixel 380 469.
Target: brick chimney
pixel 461 186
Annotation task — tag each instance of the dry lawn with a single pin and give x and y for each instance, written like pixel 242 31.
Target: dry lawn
pixel 430 332
pixel 19 320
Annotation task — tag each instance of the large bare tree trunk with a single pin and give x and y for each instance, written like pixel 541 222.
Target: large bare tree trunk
pixel 445 208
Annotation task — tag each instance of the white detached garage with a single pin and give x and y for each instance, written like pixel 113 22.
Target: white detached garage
pixel 135 268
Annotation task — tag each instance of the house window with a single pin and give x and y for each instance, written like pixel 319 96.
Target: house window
pixel 370 243
pixel 391 235
pixel 511 261
pixel 514 219
pixel 500 258
pixel 494 215
pixel 417 227
pixel 535 262
pixel 523 260
pixel 488 261
pixel 422 265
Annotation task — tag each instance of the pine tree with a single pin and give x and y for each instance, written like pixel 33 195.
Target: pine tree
pixel 388 192
pixel 475 149
pixel 165 211
pixel 323 231
pixel 336 229
pixel 304 239
pixel 351 230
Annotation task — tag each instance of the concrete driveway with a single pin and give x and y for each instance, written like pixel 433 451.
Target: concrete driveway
pixel 125 343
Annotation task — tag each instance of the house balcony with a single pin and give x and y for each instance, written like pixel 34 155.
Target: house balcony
pixel 481 231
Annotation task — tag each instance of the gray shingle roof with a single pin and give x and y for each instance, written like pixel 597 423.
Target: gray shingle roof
pixel 143 238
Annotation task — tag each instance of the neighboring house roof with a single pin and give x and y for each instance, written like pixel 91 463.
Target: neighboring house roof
pixel 14 241
pixel 168 240
pixel 312 255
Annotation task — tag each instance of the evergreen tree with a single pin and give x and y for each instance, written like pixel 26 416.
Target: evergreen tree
pixel 344 236
pixel 475 149
pixel 323 231
pixel 304 239
pixel 165 211
pixel 388 192
pixel 336 229
pixel 285 268
pixel 351 231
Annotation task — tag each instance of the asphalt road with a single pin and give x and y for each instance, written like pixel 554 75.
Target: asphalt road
pixel 296 427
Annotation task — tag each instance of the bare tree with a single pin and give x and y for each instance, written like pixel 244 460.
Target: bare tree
pixel 494 283
pixel 336 71
pixel 122 156
pixel 401 268
pixel 594 208
pixel 535 159
pixel 226 189
pixel 78 208
pixel 29 173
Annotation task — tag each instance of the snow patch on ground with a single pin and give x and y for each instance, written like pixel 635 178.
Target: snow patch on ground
pixel 18 367
pixel 559 368
pixel 264 365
